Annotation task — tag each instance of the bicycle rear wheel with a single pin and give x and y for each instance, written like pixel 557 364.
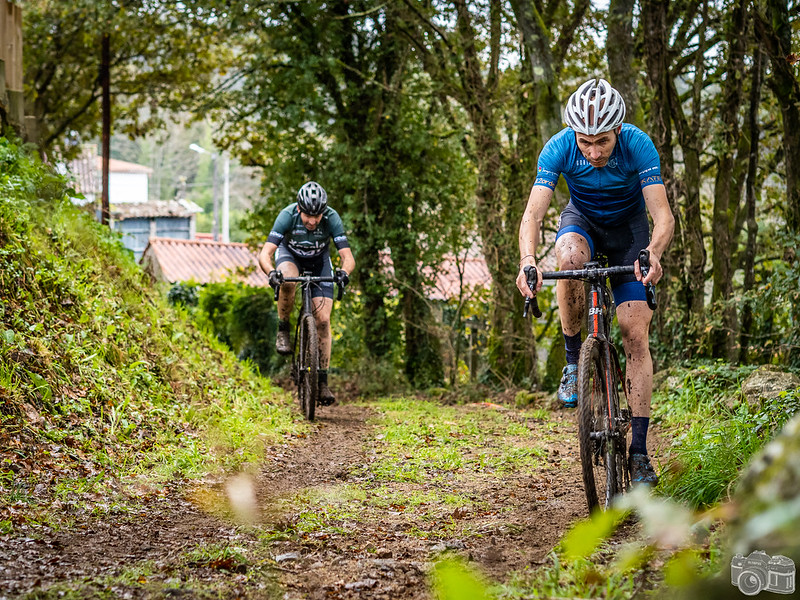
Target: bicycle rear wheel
pixel 602 455
pixel 308 363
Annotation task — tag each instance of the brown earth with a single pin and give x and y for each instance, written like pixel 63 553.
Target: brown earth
pixel 383 551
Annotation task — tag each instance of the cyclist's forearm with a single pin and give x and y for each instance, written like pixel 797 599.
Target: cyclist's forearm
pixel 530 228
pixel 265 257
pixel 348 261
pixel 662 235
pixel 655 196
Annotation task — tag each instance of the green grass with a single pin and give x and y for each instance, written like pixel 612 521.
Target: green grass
pixel 582 578
pixel 714 431
pixel 423 441
pixel 214 553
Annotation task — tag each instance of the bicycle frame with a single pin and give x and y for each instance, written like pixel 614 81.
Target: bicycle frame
pixel 305 349
pixel 602 439
pixel 305 280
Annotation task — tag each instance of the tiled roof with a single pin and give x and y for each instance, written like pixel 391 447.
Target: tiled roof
pixel 475 275
pixel 120 166
pixel 202 261
pixel 154 208
pixel 85 176
pixel 86 170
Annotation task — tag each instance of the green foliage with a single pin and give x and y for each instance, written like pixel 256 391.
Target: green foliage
pixel 453 580
pixel 333 93
pixel 586 577
pixel 584 538
pixel 100 377
pixel 183 294
pixel 701 389
pixel 183 49
pixel 370 375
pixel 715 432
pixel 244 318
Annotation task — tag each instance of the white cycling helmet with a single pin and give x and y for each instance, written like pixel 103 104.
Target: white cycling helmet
pixel 594 108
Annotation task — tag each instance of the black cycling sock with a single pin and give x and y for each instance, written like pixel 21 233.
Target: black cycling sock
pixel 573 345
pixel 283 326
pixel 322 376
pixel 639 427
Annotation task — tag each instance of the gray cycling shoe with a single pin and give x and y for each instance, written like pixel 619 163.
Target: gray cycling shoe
pixel 283 344
pixel 641 470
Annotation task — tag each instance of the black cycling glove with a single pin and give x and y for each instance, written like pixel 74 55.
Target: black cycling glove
pixel 341 277
pixel 275 278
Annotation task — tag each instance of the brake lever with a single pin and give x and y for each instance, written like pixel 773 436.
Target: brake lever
pixel 650 289
pixel 532 279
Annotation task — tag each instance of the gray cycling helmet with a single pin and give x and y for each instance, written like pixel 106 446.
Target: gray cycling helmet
pixel 594 108
pixel 312 199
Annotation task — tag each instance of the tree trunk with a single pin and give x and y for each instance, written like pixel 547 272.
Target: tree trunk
pixel 774 32
pixel 620 53
pixel 751 196
pixel 656 50
pixel 375 321
pixel 511 346
pixel 105 82
pixel 536 40
pixel 725 192
pixel 690 228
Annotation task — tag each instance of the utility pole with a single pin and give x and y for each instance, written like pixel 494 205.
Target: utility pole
pixel 105 82
pixel 226 199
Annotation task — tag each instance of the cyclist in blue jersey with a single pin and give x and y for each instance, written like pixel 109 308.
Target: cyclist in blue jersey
pixel 300 241
pixel 613 174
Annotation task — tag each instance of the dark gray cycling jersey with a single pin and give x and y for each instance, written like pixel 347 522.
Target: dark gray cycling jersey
pixel 290 231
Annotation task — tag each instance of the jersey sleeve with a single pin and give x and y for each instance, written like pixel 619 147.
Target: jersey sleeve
pixel 281 226
pixel 647 161
pixel 337 230
pixel 549 168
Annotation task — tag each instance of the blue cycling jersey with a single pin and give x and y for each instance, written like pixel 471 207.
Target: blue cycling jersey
pixel 606 195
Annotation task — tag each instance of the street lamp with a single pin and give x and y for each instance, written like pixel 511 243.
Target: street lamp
pixel 225 193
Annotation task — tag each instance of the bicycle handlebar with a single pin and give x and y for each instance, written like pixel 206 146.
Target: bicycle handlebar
pixel 590 273
pixel 309 279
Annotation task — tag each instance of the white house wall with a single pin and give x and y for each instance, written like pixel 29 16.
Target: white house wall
pixel 127 187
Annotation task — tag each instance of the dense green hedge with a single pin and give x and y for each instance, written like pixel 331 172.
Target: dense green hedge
pixel 242 317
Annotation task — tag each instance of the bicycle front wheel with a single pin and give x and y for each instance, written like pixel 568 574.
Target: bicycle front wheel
pixel 602 459
pixel 308 367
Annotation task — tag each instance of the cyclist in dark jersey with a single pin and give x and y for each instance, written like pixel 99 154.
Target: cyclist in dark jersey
pixel 613 174
pixel 300 241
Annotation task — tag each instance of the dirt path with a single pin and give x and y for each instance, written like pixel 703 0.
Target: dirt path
pixel 384 552
pixel 328 526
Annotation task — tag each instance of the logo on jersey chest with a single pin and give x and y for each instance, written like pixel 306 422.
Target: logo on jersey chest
pixel 611 164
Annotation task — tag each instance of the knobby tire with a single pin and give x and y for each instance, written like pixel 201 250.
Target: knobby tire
pixel 602 453
pixel 308 372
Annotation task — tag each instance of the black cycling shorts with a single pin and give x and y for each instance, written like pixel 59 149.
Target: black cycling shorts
pixel 319 266
pixel 619 243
